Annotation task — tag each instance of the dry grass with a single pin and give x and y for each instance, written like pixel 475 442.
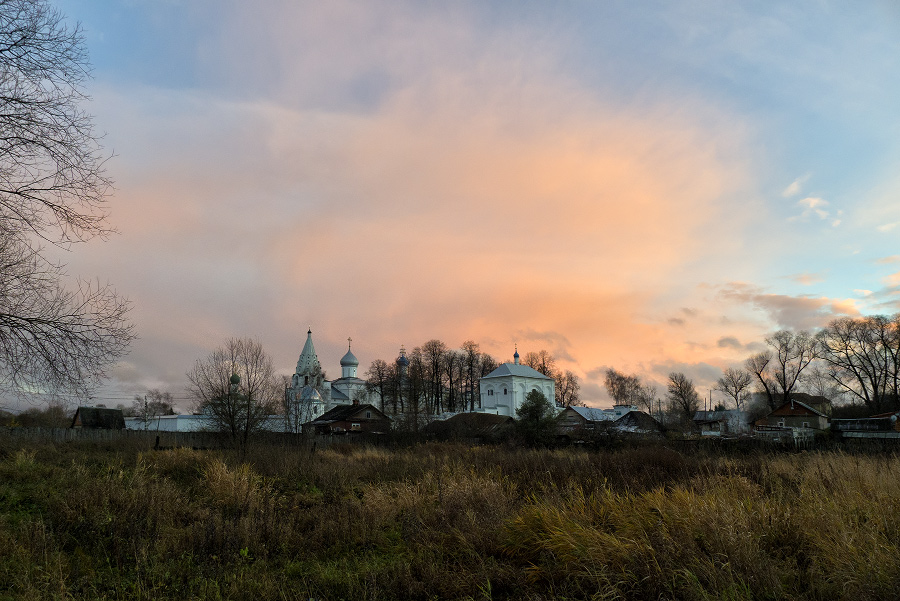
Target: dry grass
pixel 445 522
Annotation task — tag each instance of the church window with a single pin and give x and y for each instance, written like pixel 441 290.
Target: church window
pixel 490 393
pixel 305 380
pixel 504 391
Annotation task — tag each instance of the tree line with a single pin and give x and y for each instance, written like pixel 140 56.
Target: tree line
pixel 433 379
pixel 852 358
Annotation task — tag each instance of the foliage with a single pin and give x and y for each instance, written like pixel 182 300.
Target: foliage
pixel 52 189
pixel 54 415
pixel 536 419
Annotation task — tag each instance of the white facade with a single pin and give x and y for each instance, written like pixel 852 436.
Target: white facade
pixel 504 390
pixel 306 406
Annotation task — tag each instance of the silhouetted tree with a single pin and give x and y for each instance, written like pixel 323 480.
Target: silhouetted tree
pixel 52 189
pixel 736 384
pixel 683 399
pixel 536 419
pixel 241 405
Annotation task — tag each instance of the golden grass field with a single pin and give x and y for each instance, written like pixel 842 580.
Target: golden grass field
pixel 445 521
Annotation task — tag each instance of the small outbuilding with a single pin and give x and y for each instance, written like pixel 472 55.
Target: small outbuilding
pixel 98 418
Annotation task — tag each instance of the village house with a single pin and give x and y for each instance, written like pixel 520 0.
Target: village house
pixel 354 418
pixel 585 423
pixel 722 423
pixel 98 418
pixel 794 414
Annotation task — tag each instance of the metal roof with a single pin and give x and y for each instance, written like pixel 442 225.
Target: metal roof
pixel 516 369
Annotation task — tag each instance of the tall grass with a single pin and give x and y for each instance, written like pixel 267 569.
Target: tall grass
pixel 444 522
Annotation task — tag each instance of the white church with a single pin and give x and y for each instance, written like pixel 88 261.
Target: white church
pixel 504 390
pixel 312 394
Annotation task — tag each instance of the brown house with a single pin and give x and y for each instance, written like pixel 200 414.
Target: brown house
pixel 795 414
pixel 344 419
pixel 98 418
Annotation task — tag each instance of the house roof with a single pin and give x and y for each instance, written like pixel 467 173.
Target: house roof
pixel 810 399
pixel 796 408
pixel 471 423
pixel 516 369
pixel 638 422
pixel 592 414
pixel 99 418
pixel 348 412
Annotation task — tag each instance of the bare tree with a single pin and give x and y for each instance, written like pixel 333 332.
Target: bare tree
pixel 683 398
pixel 758 365
pixel 52 190
pixel 567 388
pixel 646 397
pixel 541 361
pixel 434 354
pixel 378 382
pixel 621 387
pixel 629 390
pixel 793 353
pixel 236 388
pixel 863 355
pixel 152 404
pixel 736 384
pixel 778 370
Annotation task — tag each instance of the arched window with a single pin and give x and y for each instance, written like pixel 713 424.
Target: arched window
pixel 305 380
pixel 504 391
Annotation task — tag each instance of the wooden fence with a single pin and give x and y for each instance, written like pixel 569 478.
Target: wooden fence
pixel 152 439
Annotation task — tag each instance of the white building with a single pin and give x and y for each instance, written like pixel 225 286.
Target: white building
pixel 504 390
pixel 327 393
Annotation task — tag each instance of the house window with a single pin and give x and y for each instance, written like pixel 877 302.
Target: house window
pixel 368 415
pixel 355 427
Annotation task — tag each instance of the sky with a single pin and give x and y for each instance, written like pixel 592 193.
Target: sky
pixel 651 187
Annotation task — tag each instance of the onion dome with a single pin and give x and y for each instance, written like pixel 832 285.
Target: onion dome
pixel 402 360
pixel 349 360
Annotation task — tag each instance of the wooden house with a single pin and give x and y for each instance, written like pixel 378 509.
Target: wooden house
pixel 722 423
pixel 637 423
pixel 98 418
pixel 348 419
pixel 582 423
pixel 794 414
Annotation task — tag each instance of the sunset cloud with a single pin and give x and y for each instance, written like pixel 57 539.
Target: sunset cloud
pixel 496 172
